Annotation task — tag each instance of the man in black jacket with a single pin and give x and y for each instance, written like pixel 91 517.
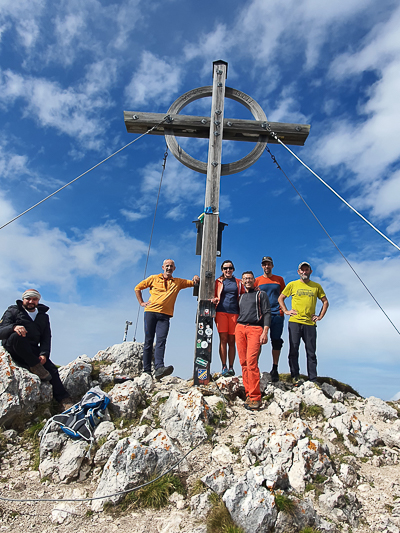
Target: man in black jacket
pixel 26 335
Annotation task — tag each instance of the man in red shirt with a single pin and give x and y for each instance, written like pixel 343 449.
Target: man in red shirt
pixel 273 286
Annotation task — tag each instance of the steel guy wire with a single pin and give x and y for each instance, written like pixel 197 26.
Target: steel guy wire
pixel 330 238
pixel 151 233
pixel 83 174
pixel 273 134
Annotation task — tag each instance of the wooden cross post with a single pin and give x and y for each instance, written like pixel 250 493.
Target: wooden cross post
pixel 216 128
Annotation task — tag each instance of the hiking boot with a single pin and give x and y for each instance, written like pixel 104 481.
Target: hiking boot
pixel 231 372
pixel 163 371
pixel 66 403
pixel 41 372
pixel 252 405
pixel 274 375
pixel 225 372
pixel 297 381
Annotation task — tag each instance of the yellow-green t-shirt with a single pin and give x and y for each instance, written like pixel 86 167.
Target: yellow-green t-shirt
pixel 304 300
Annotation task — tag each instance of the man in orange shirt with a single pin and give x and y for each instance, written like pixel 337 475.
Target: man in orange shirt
pixel 273 285
pixel 159 309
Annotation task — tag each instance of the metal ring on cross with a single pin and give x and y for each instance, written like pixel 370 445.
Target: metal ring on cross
pixel 200 166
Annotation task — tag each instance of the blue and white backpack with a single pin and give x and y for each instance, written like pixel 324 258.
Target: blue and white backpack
pixel 80 420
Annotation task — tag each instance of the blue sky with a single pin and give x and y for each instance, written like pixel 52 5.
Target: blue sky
pixel 69 69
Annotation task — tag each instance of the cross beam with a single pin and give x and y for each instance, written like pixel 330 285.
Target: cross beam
pixel 234 129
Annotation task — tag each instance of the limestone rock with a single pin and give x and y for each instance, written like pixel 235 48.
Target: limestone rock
pixel 378 409
pixel 144 382
pixel 126 358
pixel 222 455
pixel 133 462
pixel 20 390
pixel 303 515
pixel 76 377
pixel 103 430
pixel 125 399
pixel 219 480
pixel 358 436
pixel 183 416
pixel 200 505
pixel 391 436
pixel 251 505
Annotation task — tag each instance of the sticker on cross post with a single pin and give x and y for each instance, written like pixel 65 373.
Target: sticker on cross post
pixel 202 374
pixel 201 362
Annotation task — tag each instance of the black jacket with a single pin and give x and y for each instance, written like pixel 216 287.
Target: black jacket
pixel 254 308
pixel 39 332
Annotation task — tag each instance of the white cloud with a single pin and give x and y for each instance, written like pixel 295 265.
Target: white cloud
pixel 48 256
pixel 70 111
pixel 155 79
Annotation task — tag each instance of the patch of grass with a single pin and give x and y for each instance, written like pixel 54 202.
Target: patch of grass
pixel 234 449
pixel 36 458
pixel 107 387
pixel 209 431
pixel 287 413
pixel 162 400
pixel 32 432
pixel 247 439
pixel 3 442
pixel 89 513
pixel 268 397
pixel 220 410
pixel 308 529
pixel 257 463
pixel 198 488
pixel 44 479
pixel 309 487
pixel 319 478
pixel 342 387
pixel 96 367
pixel 284 504
pixel 310 411
pixel 219 520
pixel 364 459
pixel 154 495
pixel 376 451
pixel 352 439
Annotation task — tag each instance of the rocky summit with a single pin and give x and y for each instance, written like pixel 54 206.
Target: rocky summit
pixel 314 458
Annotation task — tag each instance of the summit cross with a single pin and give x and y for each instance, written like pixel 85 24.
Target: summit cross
pixel 216 128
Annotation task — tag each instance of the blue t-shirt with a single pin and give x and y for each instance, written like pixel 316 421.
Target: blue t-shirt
pixel 229 297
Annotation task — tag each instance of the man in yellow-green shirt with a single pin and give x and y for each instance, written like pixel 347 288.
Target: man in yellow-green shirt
pixel 303 320
pixel 159 309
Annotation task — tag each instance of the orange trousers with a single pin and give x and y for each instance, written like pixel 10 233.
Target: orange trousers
pixel 248 346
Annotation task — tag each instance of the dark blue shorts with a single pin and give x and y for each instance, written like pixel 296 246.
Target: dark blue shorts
pixel 276 330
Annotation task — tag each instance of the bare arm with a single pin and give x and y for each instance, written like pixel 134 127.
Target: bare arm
pixel 291 312
pixel 325 305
